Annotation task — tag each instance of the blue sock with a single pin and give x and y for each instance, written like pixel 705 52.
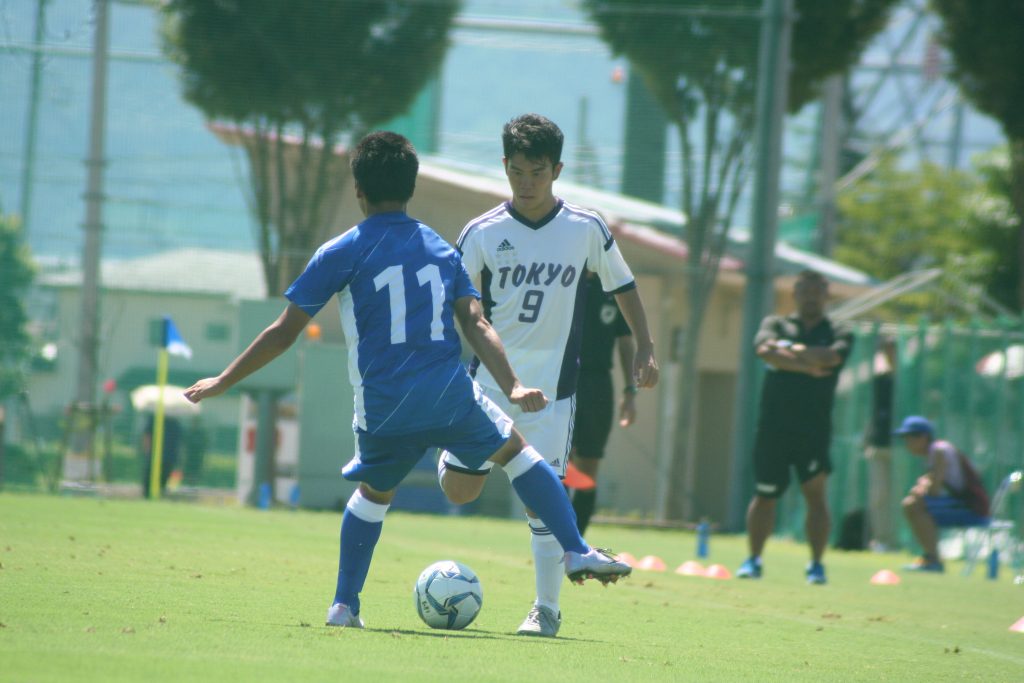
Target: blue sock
pixel 540 490
pixel 359 535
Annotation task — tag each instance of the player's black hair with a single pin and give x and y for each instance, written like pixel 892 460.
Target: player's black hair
pixel 384 165
pixel 808 275
pixel 536 136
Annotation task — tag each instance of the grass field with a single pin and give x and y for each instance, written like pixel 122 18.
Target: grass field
pixel 94 590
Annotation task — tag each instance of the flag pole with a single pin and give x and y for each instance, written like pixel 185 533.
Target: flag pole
pixel 156 456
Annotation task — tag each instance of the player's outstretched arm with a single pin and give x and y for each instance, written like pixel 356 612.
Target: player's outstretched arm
pixel 645 367
pixel 268 345
pixel 487 345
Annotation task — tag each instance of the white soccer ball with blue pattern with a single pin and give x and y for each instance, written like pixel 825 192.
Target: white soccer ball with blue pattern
pixel 448 595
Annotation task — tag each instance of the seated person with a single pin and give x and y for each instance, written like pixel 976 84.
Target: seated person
pixel 949 494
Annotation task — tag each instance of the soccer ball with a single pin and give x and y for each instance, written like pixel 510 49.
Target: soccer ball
pixel 448 595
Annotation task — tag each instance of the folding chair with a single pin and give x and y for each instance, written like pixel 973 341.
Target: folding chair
pixel 999 531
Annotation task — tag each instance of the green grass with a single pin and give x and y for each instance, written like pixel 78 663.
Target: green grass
pixel 134 590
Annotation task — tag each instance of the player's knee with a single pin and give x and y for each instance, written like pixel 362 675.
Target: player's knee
pixel 460 488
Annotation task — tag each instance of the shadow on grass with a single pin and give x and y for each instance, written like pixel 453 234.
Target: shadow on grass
pixel 471 634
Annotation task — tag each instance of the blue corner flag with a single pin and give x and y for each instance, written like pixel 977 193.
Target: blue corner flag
pixel 173 342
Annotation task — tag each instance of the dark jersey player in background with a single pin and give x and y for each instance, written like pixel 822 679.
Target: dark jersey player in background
pixel 604 330
pixel 804 352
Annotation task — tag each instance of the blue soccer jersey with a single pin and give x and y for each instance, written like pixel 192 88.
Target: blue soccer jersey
pixel 397 281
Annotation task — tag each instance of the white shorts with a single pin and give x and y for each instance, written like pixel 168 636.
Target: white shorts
pixel 549 431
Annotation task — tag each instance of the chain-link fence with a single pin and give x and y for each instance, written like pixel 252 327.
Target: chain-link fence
pixel 968 379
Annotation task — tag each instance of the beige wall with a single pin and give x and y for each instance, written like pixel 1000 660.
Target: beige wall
pixel 124 343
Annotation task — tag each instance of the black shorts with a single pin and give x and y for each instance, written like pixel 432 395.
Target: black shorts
pixel 595 406
pixel 776 450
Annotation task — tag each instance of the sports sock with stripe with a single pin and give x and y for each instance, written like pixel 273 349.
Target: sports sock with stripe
pixel 360 530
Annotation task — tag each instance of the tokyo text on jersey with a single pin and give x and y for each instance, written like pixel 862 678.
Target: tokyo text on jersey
pixel 532 281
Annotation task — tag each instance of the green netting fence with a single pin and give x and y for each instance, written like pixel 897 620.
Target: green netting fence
pixel 967 378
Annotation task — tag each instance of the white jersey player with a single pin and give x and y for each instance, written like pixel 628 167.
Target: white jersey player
pixel 529 258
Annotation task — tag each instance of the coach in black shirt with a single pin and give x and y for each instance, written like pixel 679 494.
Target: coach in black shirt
pixel 804 353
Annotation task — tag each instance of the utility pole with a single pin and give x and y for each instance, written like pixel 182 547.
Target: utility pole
pixel 772 91
pixel 88 343
pixel 828 168
pixel 32 124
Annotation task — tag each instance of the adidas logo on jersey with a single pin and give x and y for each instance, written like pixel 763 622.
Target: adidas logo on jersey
pixel 557 462
pixel 505 246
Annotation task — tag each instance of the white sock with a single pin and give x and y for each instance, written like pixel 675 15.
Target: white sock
pixel 547 564
pixel 441 469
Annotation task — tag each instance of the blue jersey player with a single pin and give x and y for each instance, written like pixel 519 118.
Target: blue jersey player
pixel 400 289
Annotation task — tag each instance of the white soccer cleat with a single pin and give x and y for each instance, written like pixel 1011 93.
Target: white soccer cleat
pixel 596 564
pixel 541 621
pixel 341 615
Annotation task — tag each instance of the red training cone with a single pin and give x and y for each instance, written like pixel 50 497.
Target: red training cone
pixel 1019 626
pixel 691 568
pixel 652 563
pixel 884 577
pixel 575 479
pixel 718 571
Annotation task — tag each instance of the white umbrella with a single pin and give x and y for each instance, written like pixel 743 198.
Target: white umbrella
pixel 144 398
pixel 1009 361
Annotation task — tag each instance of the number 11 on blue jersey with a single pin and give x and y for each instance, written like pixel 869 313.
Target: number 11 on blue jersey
pixel 393 278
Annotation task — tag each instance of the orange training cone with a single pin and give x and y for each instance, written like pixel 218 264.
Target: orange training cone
pixel 884 577
pixel 575 479
pixel 627 558
pixel 718 571
pixel 1019 626
pixel 691 568
pixel 652 563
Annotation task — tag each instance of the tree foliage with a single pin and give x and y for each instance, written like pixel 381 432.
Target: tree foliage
pixel 318 71
pixel 988 55
pixel 16 273
pixel 998 228
pixel 895 221
pixel 701 64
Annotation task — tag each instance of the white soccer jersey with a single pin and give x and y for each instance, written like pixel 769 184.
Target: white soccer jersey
pixel 531 279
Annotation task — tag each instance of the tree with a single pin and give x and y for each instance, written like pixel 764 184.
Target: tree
pixel 16 273
pixel 988 56
pixel 895 221
pixel 301 76
pixel 998 228
pixel 701 65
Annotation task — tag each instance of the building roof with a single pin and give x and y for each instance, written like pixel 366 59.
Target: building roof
pixel 234 274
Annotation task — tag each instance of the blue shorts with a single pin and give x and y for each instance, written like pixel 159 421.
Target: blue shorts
pixel 950 511
pixel 383 461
